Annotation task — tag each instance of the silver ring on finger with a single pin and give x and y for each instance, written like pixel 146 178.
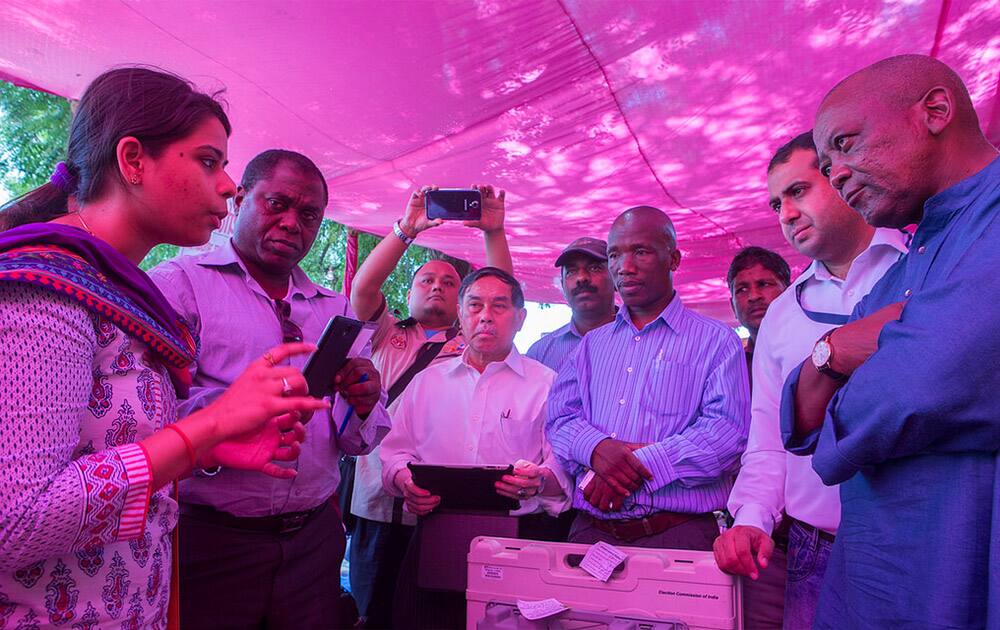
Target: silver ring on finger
pixel 522 493
pixel 286 389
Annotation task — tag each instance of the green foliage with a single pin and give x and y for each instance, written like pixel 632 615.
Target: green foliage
pixel 158 254
pixel 35 128
pixel 398 284
pixel 325 263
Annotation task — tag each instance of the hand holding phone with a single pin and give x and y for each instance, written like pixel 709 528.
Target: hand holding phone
pixel 415 219
pixel 492 216
pixel 341 341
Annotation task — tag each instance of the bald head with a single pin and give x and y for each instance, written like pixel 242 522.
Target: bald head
pixel 900 82
pixel 896 133
pixel 649 218
pixel 642 258
pixel 433 296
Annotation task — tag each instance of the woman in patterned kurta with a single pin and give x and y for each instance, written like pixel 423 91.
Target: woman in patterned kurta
pixel 92 359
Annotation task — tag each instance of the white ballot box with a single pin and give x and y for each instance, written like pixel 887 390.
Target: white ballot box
pixel 652 589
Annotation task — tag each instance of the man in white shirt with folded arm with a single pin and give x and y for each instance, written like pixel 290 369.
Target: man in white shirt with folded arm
pixel 849 257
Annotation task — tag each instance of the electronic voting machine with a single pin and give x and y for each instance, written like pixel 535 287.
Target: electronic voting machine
pixel 652 589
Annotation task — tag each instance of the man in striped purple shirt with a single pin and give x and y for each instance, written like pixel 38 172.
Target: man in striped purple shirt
pixel 655 404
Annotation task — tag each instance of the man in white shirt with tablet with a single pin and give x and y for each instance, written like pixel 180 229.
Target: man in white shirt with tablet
pixel 486 407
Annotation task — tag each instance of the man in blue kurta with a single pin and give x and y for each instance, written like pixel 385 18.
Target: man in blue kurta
pixel 900 405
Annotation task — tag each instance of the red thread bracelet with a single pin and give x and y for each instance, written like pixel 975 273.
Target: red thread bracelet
pixel 187 444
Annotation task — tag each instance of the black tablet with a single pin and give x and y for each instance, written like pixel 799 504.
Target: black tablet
pixel 465 488
pixel 335 346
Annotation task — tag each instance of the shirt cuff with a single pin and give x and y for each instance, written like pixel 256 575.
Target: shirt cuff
pixel 802 445
pixel 585 442
pixel 828 461
pixel 389 472
pixel 374 427
pixel 140 476
pixel 552 505
pixel 754 516
pixel 657 460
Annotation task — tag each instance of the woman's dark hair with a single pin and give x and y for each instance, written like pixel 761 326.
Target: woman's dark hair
pixel 153 106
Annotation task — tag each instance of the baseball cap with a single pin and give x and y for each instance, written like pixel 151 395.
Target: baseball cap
pixel 593 247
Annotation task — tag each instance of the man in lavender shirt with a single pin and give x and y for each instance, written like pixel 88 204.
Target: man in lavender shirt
pixel 589 292
pixel 260 552
pixel 656 404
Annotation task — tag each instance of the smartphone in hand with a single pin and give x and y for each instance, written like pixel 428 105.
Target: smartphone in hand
pixel 454 204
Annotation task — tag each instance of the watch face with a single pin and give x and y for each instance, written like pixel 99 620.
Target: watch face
pixel 821 353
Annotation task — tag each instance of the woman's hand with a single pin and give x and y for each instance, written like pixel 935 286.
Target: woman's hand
pixel 263 392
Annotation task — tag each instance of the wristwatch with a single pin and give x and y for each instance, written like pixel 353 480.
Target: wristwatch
pixel 822 355
pixel 400 234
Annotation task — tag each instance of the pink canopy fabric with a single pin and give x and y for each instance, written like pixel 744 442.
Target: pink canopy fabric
pixel 579 108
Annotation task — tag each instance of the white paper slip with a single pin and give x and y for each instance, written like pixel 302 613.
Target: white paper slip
pixel 585 481
pixel 540 609
pixel 601 560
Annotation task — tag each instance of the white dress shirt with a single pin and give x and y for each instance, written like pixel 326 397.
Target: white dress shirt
pixel 452 414
pixel 771 479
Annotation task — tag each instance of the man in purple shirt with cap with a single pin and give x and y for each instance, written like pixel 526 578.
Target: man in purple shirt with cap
pixel 589 292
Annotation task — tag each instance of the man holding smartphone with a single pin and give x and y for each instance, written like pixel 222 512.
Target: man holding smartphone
pixel 401 349
pixel 267 553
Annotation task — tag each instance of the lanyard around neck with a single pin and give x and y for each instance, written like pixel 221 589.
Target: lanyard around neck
pixel 823 318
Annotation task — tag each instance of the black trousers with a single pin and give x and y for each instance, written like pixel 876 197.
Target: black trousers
pixel 242 580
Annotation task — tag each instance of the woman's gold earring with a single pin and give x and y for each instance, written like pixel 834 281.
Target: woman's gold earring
pixel 135 179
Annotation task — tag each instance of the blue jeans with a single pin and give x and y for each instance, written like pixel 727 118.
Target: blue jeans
pixel 807 558
pixel 376 553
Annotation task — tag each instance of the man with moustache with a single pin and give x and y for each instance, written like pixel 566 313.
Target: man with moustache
pixel 849 257
pixel 656 404
pixel 590 294
pixel 261 552
pixel 401 349
pixel 899 405
pixel 756 277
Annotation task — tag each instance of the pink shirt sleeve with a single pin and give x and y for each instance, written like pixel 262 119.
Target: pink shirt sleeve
pixel 54 500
